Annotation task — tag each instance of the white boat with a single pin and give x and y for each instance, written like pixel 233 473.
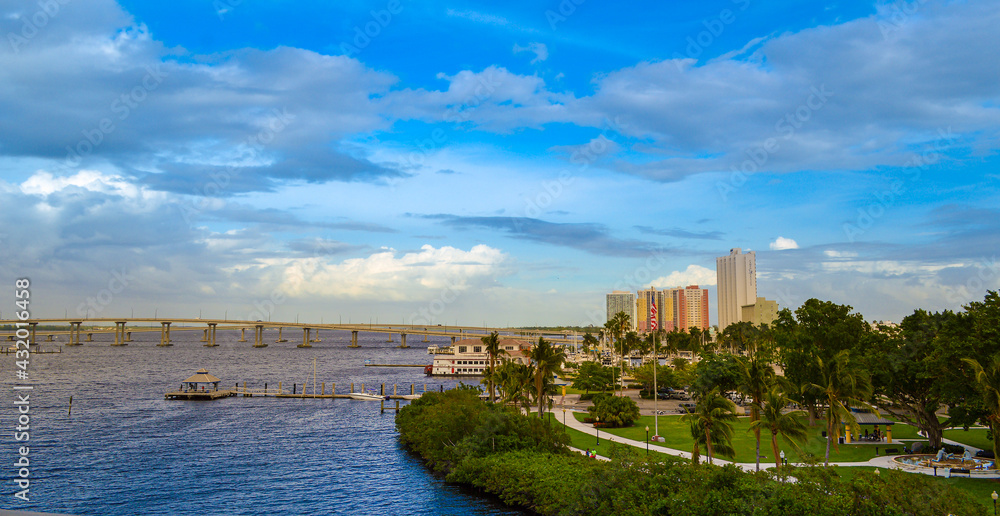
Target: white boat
pixel 411 396
pixel 365 396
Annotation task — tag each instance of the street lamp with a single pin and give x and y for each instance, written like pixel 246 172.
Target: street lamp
pixel 647 440
pixel 995 496
pixel 782 457
pixel 597 419
pixel 564 417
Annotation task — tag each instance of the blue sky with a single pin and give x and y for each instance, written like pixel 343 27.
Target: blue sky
pixel 474 163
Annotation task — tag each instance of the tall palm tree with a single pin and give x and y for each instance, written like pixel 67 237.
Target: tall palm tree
pixel 590 342
pixel 515 381
pixel 547 360
pixel 774 419
pixel 988 385
pixel 715 415
pixel 841 386
pixel 492 344
pixel 756 378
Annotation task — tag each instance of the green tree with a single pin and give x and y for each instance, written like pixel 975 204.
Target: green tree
pixel 592 376
pixel 547 360
pixel 515 381
pixel 616 411
pixel 590 343
pixel 492 345
pixel 987 383
pixel 842 385
pixel 715 415
pixel 720 372
pixel 756 377
pixel 774 419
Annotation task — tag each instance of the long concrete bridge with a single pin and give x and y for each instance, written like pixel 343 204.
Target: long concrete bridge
pixel 124 327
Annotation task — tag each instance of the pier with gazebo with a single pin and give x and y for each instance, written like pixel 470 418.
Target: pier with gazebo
pixel 201 386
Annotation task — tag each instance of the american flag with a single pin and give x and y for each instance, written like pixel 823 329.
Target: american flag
pixel 652 316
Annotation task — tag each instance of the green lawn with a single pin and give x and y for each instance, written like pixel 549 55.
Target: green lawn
pixel 975 437
pixel 677 435
pixel 586 441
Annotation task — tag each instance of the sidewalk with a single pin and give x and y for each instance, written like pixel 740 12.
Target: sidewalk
pixel 884 461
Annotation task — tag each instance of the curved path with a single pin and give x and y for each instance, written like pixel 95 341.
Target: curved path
pixel 885 462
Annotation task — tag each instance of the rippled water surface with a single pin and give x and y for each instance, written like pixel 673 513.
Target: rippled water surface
pixel 125 450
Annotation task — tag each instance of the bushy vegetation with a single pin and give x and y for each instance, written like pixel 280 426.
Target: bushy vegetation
pixel 615 411
pixel 523 460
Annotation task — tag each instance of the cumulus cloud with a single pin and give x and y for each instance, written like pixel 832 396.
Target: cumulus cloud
pixel 693 275
pixel 782 243
pixel 386 275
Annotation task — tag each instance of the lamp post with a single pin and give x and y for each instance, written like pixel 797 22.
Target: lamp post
pixel 597 419
pixel 564 417
pixel 995 496
pixel 782 457
pixel 647 440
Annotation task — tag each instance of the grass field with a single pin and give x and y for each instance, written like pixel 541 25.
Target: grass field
pixel 975 437
pixel 677 435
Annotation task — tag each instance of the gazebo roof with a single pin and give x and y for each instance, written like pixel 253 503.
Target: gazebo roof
pixel 867 418
pixel 202 376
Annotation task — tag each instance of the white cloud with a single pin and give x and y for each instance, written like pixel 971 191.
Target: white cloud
pixel 414 276
pixel 831 253
pixel 783 243
pixel 539 49
pixel 693 275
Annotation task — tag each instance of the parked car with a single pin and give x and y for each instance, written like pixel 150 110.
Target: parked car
pixel 673 394
pixel 686 408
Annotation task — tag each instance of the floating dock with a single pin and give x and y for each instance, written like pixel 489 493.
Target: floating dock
pixel 199 395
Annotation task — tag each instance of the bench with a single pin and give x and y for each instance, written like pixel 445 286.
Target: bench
pixel 960 470
pixel 890 451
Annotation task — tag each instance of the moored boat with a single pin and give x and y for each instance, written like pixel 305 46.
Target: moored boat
pixel 366 396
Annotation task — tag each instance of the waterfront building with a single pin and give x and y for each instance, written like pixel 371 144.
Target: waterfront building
pixel 622 301
pixel 736 276
pixel 764 311
pixel 689 307
pixel 468 357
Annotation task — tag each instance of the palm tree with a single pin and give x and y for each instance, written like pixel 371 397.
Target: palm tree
pixel 547 360
pixel 773 418
pixel 589 342
pixel 715 415
pixel 988 385
pixel 514 380
pixel 492 344
pixel 756 377
pixel 841 386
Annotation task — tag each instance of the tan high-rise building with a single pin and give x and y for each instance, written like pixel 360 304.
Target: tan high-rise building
pixel 764 311
pixel 622 301
pixel 645 300
pixel 737 285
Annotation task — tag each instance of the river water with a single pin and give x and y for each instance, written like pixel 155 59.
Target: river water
pixel 125 450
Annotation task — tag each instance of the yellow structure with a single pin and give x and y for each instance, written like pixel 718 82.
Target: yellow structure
pixel 764 311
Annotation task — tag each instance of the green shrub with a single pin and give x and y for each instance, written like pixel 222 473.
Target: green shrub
pixel 594 396
pixel 615 411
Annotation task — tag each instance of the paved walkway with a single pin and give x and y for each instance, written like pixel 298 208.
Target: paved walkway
pixel 885 462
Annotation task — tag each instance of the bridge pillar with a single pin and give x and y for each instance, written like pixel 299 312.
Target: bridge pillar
pixel 402 341
pixel 210 333
pixel 32 339
pixel 128 336
pixel 280 338
pixel 258 336
pixel 425 337
pixel 317 339
pixel 164 334
pixel 305 338
pixel 119 334
pixel 90 337
pixel 354 339
pixel 243 334
pixel 204 335
pixel 74 333
pixel 452 339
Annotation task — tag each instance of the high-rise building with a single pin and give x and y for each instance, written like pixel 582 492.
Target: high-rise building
pixel 737 284
pixel 764 311
pixel 621 301
pixel 690 307
pixel 647 318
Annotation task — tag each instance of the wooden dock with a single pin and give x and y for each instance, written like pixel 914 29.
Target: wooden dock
pixel 199 395
pixel 397 365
